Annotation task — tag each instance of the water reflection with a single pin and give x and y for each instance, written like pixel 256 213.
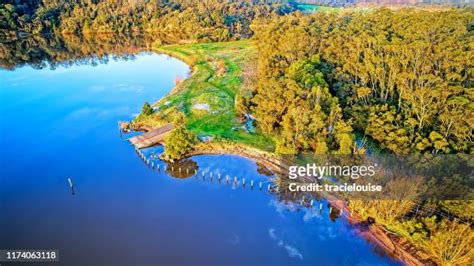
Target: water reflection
pixel 40 51
pixel 282 199
pixel 183 169
pixel 293 252
pixel 263 170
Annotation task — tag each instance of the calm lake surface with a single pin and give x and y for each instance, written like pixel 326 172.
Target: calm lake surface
pixel 62 122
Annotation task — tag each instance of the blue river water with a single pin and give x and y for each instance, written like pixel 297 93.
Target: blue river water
pixel 62 122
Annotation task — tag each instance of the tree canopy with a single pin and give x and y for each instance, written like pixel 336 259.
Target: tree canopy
pixel 404 78
pixel 210 20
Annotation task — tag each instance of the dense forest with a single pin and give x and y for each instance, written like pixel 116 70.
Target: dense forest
pixel 405 79
pixel 338 3
pixel 210 20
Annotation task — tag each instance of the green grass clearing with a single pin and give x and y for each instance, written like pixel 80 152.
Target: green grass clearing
pixel 207 97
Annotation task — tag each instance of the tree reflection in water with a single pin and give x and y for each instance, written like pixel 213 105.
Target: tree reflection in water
pixel 67 50
pixel 182 169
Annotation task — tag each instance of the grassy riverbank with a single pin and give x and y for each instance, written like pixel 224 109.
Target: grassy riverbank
pixel 207 97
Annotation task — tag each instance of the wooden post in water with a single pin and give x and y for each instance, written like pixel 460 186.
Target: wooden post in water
pixel 320 206
pixel 251 183
pixel 260 185
pixel 268 187
pixel 243 182
pixel 69 180
pixel 120 129
pixel 311 203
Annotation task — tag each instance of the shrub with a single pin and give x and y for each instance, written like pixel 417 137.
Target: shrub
pixel 178 143
pixel 147 109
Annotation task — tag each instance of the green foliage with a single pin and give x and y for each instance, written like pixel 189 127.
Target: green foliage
pixel 439 142
pixel 409 90
pixel 460 208
pixel 147 109
pixel 447 242
pixel 345 142
pixel 211 20
pixel 178 143
pixel 179 120
pixel 321 148
pixel 293 103
pixel 384 125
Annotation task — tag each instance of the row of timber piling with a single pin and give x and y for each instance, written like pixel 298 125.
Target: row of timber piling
pixel 235 182
pixel 343 209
